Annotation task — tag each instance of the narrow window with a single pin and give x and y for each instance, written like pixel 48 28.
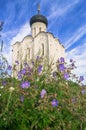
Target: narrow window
pixel 40 29
pixel 34 31
pixel 42 49
pixel 28 53
pixel 17 54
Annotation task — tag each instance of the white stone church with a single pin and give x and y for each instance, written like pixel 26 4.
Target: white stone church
pixel 40 42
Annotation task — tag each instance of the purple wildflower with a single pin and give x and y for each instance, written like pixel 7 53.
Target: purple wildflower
pixel 43 92
pixel 61 67
pixel 19 77
pixel 23 71
pixel 73 65
pixel 39 68
pixel 4 83
pixel 66 76
pixel 32 62
pixel 9 67
pixel 37 58
pixel 83 91
pixel 22 98
pixel 55 103
pixel 30 69
pixel 25 64
pixel 16 62
pixel 62 59
pixel 71 60
pixel 25 84
pixel 81 78
pixel 19 73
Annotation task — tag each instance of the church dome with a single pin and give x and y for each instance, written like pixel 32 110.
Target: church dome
pixel 38 18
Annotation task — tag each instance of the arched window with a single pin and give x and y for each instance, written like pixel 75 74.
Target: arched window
pixel 40 29
pixel 42 49
pixel 18 55
pixel 28 53
pixel 34 31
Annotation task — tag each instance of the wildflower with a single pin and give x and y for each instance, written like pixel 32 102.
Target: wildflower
pixel 22 98
pixel 19 77
pixel 32 62
pixel 25 64
pixel 66 76
pixel 81 78
pixel 23 71
pixel 61 67
pixel 19 72
pixel 55 103
pixel 62 59
pixel 73 65
pixel 3 83
pixel 11 89
pixel 43 92
pixel 39 68
pixel 9 67
pixel 83 91
pixel 37 58
pixel 16 62
pixel 71 60
pixel 25 84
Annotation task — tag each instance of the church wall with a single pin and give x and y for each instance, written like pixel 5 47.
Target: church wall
pixel 26 48
pixel 40 45
pixel 15 52
pixel 56 50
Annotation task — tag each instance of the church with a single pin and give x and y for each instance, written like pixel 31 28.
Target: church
pixel 40 42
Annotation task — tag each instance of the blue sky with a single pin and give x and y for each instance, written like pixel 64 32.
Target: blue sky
pixel 67 21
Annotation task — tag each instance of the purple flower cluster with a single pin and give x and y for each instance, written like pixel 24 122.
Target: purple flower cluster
pixel 61 67
pixel 66 76
pixel 37 58
pixel 43 93
pixel 81 78
pixel 62 59
pixel 71 60
pixel 25 64
pixel 83 91
pixel 9 67
pixel 55 103
pixel 22 98
pixel 39 68
pixel 25 84
pixel 4 83
pixel 23 71
pixel 16 62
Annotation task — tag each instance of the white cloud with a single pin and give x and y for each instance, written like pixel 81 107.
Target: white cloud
pixel 23 31
pixel 77 35
pixel 79 55
pixel 55 11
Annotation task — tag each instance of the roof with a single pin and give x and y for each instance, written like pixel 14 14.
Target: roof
pixel 38 18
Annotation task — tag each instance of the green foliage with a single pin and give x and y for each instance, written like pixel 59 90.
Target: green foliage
pixel 24 107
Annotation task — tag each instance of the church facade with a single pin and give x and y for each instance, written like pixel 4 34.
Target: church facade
pixel 40 42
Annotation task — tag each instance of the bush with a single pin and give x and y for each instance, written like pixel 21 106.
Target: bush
pixel 43 99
